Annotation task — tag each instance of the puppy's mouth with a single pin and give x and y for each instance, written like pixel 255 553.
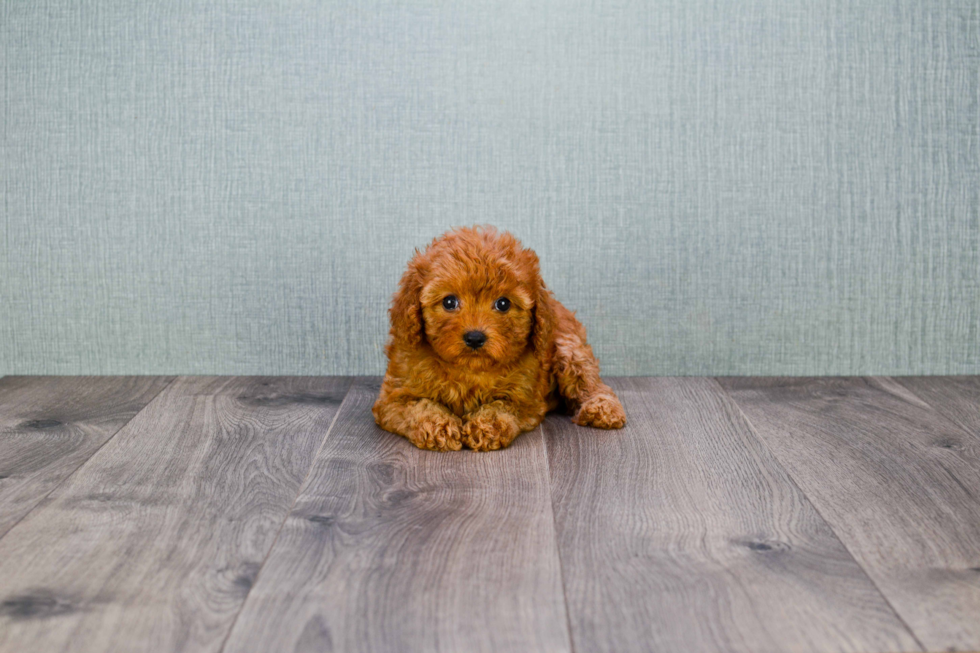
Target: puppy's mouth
pixel 476 354
pixel 476 357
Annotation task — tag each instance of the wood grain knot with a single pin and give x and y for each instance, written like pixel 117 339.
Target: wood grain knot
pixel 398 497
pixel 38 605
pixel 40 424
pixel 246 576
pixel 763 546
pixel 324 521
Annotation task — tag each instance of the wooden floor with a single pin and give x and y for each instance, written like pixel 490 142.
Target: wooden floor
pixel 271 514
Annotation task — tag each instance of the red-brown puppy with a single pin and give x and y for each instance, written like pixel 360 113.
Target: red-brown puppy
pixel 480 350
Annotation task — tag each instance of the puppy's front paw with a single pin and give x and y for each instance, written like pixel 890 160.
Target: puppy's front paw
pixel 601 411
pixel 488 428
pixel 437 431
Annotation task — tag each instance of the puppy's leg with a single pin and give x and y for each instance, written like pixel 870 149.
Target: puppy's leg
pixel 426 423
pixel 496 424
pixel 594 403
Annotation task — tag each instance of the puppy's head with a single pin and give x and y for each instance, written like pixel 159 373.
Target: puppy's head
pixel 476 297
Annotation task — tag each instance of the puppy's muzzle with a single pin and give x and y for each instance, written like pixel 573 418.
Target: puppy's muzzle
pixel 474 339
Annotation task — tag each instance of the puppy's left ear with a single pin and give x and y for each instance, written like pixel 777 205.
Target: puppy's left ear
pixel 545 319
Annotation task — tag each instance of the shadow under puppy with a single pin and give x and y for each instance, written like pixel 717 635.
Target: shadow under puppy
pixel 480 350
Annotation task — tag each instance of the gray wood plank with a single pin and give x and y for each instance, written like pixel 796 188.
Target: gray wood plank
pixel 49 426
pixel 955 397
pixel 898 482
pixel 683 533
pixel 391 548
pixel 153 544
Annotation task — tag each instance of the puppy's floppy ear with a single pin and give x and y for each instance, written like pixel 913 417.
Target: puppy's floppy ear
pixel 543 338
pixel 406 307
pixel 545 318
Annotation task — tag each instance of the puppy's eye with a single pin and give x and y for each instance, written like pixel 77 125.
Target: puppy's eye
pixel 450 303
pixel 502 304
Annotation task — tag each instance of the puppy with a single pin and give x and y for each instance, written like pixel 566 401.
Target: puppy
pixel 480 350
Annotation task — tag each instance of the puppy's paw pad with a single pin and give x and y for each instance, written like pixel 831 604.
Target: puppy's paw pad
pixel 489 430
pixel 602 412
pixel 437 433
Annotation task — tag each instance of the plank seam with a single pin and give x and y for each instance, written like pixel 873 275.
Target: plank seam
pixel 90 457
pixel 554 531
pixel 830 525
pixel 299 492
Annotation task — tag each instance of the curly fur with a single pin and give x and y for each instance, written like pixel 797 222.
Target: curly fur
pixel 442 395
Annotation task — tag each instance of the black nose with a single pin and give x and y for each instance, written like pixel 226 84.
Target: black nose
pixel 474 339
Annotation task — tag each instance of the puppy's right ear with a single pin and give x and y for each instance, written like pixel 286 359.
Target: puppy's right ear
pixel 406 306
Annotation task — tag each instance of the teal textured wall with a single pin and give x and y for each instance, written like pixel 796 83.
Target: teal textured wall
pixel 762 187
